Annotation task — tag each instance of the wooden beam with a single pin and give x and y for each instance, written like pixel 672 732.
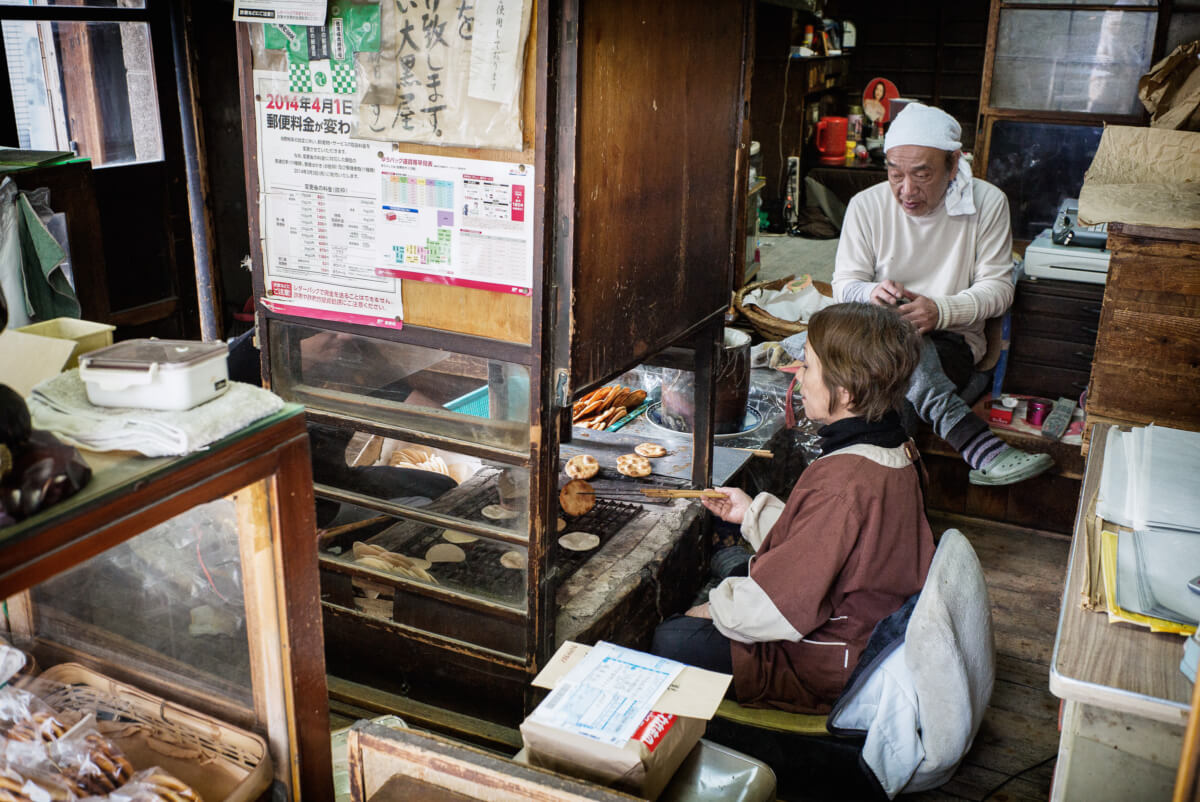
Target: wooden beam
pixel 352 696
pixel 83 103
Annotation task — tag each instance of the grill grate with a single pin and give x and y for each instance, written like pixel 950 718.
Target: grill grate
pixel 603 520
pixel 481 573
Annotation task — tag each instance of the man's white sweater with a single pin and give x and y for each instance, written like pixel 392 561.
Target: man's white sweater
pixel 963 263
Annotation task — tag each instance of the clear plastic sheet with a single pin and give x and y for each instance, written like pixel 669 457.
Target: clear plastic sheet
pixel 176 589
pixel 152 785
pixel 62 755
pixel 767 398
pixel 91 762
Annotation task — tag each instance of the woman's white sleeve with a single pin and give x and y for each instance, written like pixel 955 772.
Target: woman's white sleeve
pixel 762 514
pixel 743 611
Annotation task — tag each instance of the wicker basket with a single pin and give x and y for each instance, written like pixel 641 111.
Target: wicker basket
pixel 226 763
pixel 766 324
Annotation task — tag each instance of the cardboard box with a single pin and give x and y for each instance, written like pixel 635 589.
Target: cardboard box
pixel 87 335
pixel 648 760
pixel 27 360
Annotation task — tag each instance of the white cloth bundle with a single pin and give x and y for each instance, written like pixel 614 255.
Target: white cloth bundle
pixel 796 302
pixel 60 405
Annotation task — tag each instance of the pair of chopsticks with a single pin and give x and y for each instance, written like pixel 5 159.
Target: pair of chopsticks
pixel 326 534
pixel 654 492
pixel 757 452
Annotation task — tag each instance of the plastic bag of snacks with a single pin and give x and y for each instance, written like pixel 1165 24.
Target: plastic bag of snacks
pixel 152 785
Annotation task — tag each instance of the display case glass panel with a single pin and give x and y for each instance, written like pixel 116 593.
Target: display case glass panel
pixel 431 578
pixel 170 599
pixel 1079 61
pixel 481 494
pixel 442 393
pixel 188 583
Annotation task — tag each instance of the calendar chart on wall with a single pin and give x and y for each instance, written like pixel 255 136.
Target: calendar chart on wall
pixel 456 221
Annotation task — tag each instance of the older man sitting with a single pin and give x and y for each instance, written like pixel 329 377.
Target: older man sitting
pixel 936 243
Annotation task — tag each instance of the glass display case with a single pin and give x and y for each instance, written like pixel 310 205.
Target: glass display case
pixel 190 584
pixel 436 439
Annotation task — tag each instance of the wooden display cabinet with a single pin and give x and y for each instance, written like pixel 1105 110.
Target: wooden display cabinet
pixel 634 124
pixel 1054 325
pixel 113 579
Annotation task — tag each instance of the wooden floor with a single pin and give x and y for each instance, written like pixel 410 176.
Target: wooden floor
pixel 1013 756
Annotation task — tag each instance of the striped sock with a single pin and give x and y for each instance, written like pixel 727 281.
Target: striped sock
pixel 982 449
pixel 972 438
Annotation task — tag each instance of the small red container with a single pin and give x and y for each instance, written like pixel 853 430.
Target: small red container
pixel 999 414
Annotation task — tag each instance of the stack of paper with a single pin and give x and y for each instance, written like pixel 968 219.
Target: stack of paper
pixel 1149 495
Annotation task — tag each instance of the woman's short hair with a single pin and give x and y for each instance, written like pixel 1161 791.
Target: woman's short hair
pixel 867 349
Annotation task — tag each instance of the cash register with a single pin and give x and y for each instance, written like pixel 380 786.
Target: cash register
pixel 1070 250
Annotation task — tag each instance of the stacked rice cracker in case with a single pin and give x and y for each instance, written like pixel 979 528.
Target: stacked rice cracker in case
pixel 48 755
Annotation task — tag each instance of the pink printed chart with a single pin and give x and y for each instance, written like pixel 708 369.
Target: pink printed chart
pixel 453 221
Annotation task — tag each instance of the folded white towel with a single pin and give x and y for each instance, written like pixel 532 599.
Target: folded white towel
pixel 60 405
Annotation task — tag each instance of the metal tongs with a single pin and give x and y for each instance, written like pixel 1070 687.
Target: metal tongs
pixel 577 497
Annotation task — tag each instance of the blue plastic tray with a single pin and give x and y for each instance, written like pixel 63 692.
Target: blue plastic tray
pixel 473 403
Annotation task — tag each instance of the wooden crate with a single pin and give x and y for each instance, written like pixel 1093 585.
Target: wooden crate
pixel 388 764
pixel 1146 367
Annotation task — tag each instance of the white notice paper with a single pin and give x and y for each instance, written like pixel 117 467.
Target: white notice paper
pixel 608 694
pixel 496 61
pixel 320 198
pixel 285 12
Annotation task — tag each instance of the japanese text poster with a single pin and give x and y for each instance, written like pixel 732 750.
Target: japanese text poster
pixel 320 198
pixel 446 73
pixel 456 221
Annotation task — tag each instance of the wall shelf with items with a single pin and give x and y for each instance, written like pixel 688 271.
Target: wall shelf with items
pixel 786 92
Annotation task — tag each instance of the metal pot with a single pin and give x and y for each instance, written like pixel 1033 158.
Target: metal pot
pixel 733 388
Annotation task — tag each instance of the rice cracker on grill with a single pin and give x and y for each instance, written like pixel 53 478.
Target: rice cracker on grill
pixel 582 466
pixel 633 465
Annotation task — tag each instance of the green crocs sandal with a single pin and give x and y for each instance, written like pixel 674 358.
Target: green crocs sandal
pixel 1010 467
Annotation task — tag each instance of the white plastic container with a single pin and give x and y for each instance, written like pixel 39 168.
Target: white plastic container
pixel 156 374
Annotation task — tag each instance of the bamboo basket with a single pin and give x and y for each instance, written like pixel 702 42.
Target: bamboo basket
pixel 226 763
pixel 766 324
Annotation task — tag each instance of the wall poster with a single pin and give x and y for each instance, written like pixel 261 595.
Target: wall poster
pixel 292 12
pixel 456 221
pixel 319 192
pixel 445 74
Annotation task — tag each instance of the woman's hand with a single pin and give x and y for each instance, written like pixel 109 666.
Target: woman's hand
pixel 700 611
pixel 732 508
